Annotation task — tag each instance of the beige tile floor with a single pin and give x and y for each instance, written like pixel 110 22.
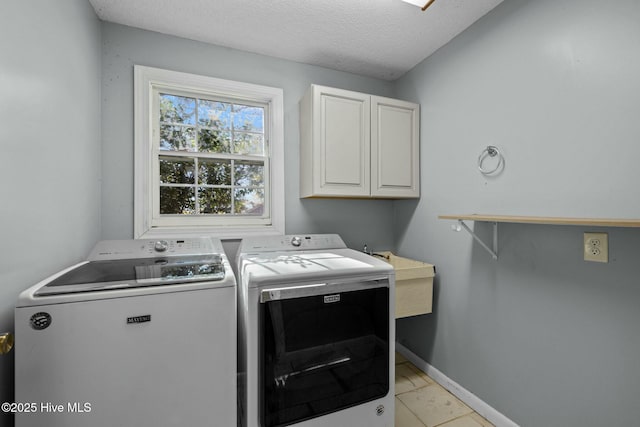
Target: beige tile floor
pixel 421 402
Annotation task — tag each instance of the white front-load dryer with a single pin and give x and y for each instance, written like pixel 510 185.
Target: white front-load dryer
pixel 316 334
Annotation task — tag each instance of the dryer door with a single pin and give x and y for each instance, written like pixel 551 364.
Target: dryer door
pixel 323 352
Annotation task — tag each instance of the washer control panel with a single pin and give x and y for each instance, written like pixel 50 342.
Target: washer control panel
pixel 150 248
pixel 292 242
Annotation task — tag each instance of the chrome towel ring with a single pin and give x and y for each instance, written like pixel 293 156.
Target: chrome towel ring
pixel 490 151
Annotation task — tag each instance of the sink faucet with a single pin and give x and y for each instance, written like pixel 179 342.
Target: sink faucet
pixel 366 250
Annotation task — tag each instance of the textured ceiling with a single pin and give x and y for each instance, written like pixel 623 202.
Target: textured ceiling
pixel 377 38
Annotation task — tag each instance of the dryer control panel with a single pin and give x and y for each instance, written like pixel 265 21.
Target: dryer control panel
pixel 292 242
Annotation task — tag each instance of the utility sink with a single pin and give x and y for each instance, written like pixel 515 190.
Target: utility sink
pixel 414 285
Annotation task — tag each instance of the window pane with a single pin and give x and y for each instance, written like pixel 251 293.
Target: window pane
pixel 248 143
pixel 176 171
pixel 177 109
pixel 214 114
pixel 215 172
pixel 214 200
pixel 213 141
pixel 248 118
pixel 249 201
pixel 249 174
pixel 177 138
pixel 177 200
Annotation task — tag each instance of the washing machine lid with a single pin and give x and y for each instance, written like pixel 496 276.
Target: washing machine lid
pixel 260 269
pixel 93 276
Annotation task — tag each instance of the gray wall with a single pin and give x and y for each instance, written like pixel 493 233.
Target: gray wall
pixel 541 335
pixel 357 221
pixel 50 141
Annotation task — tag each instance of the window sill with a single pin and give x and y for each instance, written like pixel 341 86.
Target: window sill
pixel 219 232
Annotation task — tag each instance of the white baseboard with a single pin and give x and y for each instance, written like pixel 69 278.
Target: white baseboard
pixel 470 399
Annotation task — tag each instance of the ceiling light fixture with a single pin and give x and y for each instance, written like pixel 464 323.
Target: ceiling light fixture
pixel 420 3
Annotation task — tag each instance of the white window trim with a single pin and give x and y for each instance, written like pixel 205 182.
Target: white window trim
pixel 145 79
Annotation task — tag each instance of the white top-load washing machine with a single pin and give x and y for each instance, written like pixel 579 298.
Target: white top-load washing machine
pixel 316 334
pixel 142 334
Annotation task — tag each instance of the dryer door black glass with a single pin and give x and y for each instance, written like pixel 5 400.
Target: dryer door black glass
pixel 320 354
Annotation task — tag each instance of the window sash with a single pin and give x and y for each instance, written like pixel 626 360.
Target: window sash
pixel 232 186
pixel 197 218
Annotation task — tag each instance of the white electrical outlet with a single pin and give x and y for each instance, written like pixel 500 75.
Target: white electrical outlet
pixel 596 247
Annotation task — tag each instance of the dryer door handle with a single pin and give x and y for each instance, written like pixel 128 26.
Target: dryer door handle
pixel 301 291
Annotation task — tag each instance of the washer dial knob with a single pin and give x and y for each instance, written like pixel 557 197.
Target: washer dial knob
pixel 296 241
pixel 161 246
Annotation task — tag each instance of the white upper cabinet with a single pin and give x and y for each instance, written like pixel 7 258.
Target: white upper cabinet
pixel 358 145
pixel 395 138
pixel 335 143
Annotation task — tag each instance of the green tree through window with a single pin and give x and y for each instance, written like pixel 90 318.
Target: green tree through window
pixel 211 158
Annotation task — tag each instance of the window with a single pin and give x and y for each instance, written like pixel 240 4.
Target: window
pixel 209 156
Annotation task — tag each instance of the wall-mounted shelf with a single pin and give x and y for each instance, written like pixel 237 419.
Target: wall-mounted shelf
pixel 599 222
pixel 495 219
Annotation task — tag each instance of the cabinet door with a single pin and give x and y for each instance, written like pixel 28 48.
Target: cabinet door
pixel 395 134
pixel 341 151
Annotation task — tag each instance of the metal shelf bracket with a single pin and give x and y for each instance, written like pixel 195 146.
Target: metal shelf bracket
pixel 493 251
